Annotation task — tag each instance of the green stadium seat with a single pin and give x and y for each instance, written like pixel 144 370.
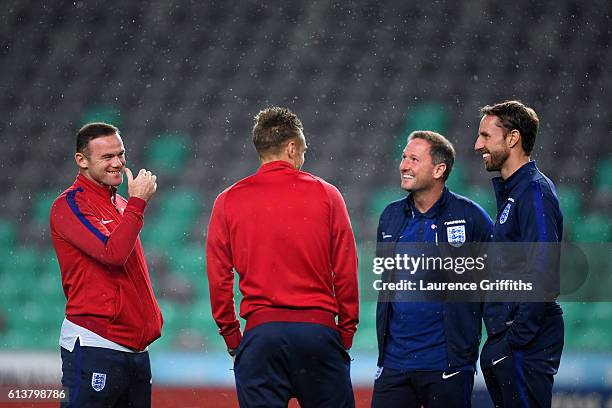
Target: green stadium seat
pixel 367 314
pixel 456 180
pixel 41 207
pixel 365 338
pixel 23 265
pixel 7 234
pixel 588 325
pixel 427 116
pixel 171 225
pixel 366 253
pixel 603 175
pixel 102 113
pixel 32 322
pixel 571 201
pixel 595 338
pixel 122 190
pixel 166 154
pixel 381 198
pixel 189 262
pixel 593 228
pixel 424 116
pixel 485 198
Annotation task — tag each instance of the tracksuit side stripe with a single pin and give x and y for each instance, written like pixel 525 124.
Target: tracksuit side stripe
pixel 77 374
pixel 521 384
pixel 70 198
pixel 539 213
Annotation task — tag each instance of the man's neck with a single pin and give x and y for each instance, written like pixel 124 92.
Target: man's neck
pixel 270 159
pixel 425 199
pixel 512 165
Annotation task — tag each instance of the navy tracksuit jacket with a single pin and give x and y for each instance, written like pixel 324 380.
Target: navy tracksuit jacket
pixel 528 211
pixel 462 320
pixel 525 339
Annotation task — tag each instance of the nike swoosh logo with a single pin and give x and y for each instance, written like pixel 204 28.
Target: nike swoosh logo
pixel 107 221
pixel 387 236
pixel 499 359
pixel 447 376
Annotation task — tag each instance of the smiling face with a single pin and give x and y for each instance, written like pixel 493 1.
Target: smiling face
pixel 103 161
pixel 491 143
pixel 417 170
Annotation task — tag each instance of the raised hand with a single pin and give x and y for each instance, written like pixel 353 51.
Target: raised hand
pixel 143 186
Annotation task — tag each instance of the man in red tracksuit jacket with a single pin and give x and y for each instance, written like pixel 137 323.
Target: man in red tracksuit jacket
pixel 111 312
pixel 288 236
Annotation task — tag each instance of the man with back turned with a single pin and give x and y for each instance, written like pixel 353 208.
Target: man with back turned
pixel 288 236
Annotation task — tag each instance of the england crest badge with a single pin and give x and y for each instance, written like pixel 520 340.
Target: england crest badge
pixel 504 215
pixel 456 235
pixel 98 381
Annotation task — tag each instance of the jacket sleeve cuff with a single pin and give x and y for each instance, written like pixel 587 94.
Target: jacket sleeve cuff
pixel 232 341
pixel 346 340
pixel 136 204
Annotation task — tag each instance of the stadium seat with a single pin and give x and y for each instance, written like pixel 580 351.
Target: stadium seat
pixel 456 180
pixel 7 240
pixel 48 284
pixel 574 317
pixel 593 228
pixel 424 116
pixel 427 116
pixel 7 235
pixel 603 175
pixel 189 263
pixel 571 201
pixel 172 223
pixel 102 113
pixel 41 206
pixel 484 197
pixel 23 265
pixel 365 338
pixel 381 198
pixel 167 154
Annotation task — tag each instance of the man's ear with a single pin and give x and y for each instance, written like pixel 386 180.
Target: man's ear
pixel 439 170
pixel 513 137
pixel 81 160
pixel 291 148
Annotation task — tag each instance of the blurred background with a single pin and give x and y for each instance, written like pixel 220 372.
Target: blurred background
pixel 183 80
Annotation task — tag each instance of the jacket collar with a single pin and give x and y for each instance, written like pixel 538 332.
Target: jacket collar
pixel 92 186
pixel 504 188
pixel 275 165
pixel 434 210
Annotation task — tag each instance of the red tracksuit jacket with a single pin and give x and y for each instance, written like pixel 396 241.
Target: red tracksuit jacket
pixel 104 271
pixel 288 235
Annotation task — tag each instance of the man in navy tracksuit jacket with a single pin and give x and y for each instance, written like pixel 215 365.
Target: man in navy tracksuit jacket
pixel 525 339
pixel 427 348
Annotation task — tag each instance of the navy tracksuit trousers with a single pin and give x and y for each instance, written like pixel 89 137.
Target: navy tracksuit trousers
pixel 102 378
pixel 280 360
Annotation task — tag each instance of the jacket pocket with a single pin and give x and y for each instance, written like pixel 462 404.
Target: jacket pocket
pixel 118 304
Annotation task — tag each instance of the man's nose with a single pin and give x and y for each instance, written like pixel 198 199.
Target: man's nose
pixel 478 144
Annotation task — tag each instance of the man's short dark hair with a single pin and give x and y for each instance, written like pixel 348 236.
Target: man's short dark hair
pixel 440 149
pixel 516 115
pixel 273 127
pixel 93 131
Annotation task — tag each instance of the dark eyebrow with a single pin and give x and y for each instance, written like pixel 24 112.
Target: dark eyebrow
pixel 113 154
